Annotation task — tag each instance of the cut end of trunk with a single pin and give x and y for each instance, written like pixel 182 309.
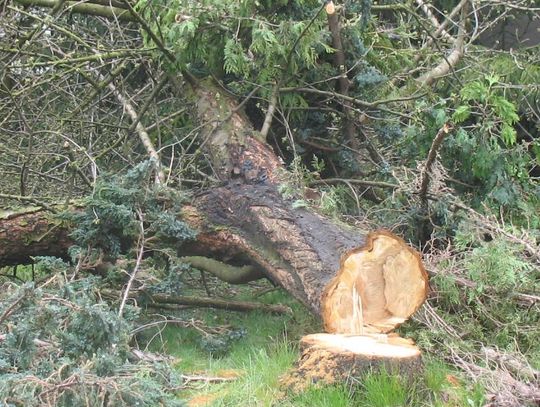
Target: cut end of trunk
pixel 334 358
pixel 377 288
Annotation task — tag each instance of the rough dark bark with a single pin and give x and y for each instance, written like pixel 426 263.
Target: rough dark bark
pixel 30 232
pixel 297 249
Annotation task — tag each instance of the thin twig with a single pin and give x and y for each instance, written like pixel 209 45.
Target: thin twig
pixel 276 88
pixel 432 155
pixel 137 264
pixel 453 58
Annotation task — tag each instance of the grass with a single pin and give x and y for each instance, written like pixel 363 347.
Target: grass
pixel 268 349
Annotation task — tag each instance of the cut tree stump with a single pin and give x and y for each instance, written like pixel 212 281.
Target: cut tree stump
pixel 336 358
pixel 378 287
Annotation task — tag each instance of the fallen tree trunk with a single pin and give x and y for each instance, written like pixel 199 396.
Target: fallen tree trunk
pixel 296 248
pixel 354 280
pixel 358 283
pixel 30 232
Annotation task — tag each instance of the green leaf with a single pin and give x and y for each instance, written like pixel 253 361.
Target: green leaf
pixel 440 116
pixel 461 114
pixel 492 79
pixel 504 109
pixel 508 134
pixel 474 91
pixel 263 40
pixel 235 61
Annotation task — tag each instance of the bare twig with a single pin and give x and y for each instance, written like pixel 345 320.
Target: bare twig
pixel 365 183
pixel 141 131
pixel 275 90
pixel 439 28
pixel 140 249
pixel 432 155
pixel 207 379
pixel 270 111
pixel 12 308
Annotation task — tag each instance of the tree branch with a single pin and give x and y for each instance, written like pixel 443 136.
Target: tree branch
pixel 141 131
pixel 453 58
pixel 137 264
pixel 83 8
pixel 435 146
pixel 225 272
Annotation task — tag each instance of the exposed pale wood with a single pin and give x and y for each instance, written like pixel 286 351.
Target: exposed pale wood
pixel 378 287
pixel 334 358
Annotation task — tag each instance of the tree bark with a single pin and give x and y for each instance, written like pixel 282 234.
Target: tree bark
pixel 88 8
pixel 30 232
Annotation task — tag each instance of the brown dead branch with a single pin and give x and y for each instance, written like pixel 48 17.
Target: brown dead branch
pixel 141 131
pixel 432 155
pixel 230 305
pixel 205 302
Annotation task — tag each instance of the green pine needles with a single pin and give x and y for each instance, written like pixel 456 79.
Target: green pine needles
pixel 110 219
pixel 66 347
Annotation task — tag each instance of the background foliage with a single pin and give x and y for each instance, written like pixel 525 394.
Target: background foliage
pixel 66 134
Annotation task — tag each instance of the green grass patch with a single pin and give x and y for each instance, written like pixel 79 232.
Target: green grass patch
pixel 267 349
pixel 383 389
pixel 335 396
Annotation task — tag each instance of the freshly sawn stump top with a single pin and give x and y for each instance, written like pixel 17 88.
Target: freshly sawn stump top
pixel 333 358
pixel 372 346
pixel 377 287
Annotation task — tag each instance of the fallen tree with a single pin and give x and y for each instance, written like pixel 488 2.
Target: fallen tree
pixel 321 263
pixel 360 283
